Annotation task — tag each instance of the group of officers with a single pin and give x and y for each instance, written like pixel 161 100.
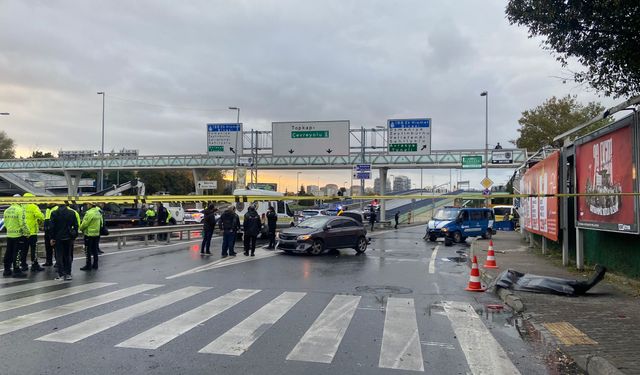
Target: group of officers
pixel 61 226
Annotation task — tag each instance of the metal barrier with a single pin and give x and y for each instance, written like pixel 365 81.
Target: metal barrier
pixel 121 234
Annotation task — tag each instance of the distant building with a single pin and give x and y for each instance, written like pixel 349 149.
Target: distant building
pixel 331 189
pixel 377 185
pixel 313 189
pixel 401 183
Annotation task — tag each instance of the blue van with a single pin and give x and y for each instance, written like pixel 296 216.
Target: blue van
pixel 455 224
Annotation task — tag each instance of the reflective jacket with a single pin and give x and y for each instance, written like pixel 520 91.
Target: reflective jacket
pixel 33 217
pixel 91 222
pixel 14 221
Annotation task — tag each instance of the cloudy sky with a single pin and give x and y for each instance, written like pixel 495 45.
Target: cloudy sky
pixel 170 67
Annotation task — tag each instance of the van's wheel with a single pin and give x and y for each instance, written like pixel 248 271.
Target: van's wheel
pixel 447 241
pixel 457 237
pixel 361 247
pixel 316 248
pixel 433 238
pixel 487 234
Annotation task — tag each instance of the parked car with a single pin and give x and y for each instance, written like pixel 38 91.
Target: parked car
pixel 193 215
pixel 456 224
pixel 305 214
pixel 319 233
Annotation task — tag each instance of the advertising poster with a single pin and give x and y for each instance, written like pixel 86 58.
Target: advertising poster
pixel 606 165
pixel 540 214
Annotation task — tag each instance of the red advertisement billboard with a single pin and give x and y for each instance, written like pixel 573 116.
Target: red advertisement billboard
pixel 540 214
pixel 605 164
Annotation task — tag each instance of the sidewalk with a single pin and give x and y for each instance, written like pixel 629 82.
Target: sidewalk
pixel 606 338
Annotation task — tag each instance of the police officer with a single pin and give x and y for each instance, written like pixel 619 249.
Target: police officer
pixel 251 226
pixel 272 222
pixel 149 216
pixel 90 227
pixel 163 219
pixel 229 224
pixel 14 221
pixel 48 249
pixel 34 218
pixel 64 230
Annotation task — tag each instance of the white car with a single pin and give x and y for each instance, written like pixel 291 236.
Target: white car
pixel 193 216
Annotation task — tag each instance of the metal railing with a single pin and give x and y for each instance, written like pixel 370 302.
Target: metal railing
pixel 121 234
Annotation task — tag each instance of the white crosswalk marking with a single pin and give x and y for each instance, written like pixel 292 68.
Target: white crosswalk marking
pixel 28 286
pixel 9 280
pixel 400 340
pixel 225 262
pixel 101 323
pixel 26 301
pixel 321 341
pixel 169 330
pixel 484 354
pixel 23 321
pixel 238 339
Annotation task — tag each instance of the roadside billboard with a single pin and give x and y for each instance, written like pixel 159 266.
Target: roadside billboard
pixel 605 164
pixel 540 214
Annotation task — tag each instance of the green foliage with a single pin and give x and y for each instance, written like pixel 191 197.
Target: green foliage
pixel 7 146
pixel 603 35
pixel 37 154
pixel 555 116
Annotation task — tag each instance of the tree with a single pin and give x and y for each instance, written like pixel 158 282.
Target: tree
pixel 555 116
pixel 7 146
pixel 37 154
pixel 603 35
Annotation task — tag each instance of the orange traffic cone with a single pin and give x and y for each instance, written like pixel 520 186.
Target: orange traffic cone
pixel 474 278
pixel 491 257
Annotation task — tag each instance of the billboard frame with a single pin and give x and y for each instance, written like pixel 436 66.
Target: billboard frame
pixel 630 121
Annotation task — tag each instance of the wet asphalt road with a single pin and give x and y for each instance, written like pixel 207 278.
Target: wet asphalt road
pixel 399 283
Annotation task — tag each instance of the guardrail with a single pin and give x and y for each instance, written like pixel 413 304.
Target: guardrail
pixel 122 234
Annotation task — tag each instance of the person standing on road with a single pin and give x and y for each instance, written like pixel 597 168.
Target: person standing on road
pixel 251 228
pixel 64 229
pixel 149 217
pixel 372 218
pixel 90 226
pixel 48 249
pixel 396 217
pixel 229 224
pixel 34 218
pixel 14 221
pixel 272 223
pixel 163 218
pixel 208 225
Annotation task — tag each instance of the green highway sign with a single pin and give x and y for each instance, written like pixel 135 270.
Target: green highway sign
pixel 400 147
pixel 216 148
pixel 471 162
pixel 310 134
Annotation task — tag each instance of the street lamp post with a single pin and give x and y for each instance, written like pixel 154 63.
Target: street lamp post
pixel 102 145
pixel 486 138
pixel 235 164
pixel 298 181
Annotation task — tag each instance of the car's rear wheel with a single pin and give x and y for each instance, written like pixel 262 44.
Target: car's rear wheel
pixel 457 237
pixel 361 247
pixel 316 248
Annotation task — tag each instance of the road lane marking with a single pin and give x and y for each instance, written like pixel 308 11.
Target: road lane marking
pixel 29 286
pixel 484 354
pixel 432 262
pixel 169 330
pixel 24 321
pixel 238 339
pixel 321 341
pixel 9 280
pixel 224 262
pixel 26 301
pixel 400 339
pixel 101 323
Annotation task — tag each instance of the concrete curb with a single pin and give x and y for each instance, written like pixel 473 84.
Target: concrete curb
pixel 591 364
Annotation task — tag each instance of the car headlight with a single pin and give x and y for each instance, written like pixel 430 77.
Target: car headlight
pixel 444 229
pixel 304 237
